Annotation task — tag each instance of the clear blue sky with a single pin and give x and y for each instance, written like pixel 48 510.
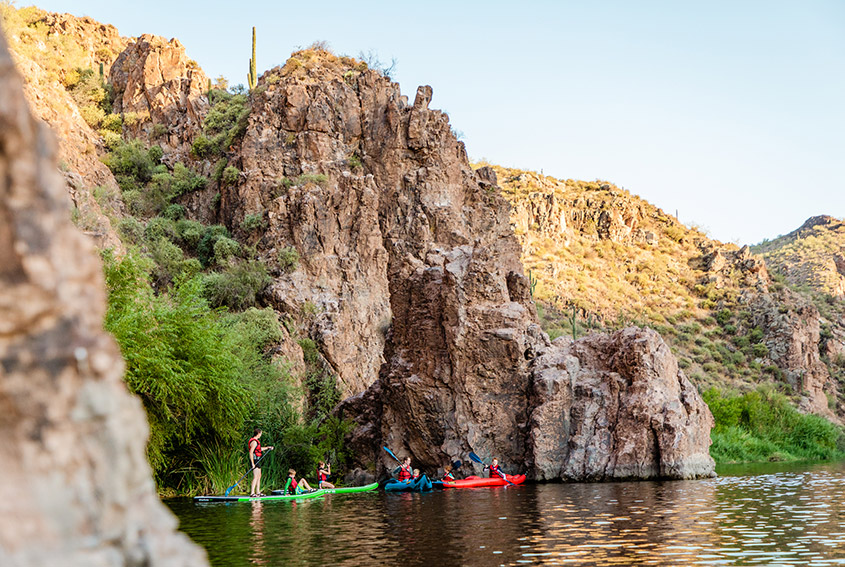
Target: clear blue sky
pixel 730 112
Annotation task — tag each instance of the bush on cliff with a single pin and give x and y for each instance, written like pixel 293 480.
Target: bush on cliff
pixel 762 425
pixel 188 371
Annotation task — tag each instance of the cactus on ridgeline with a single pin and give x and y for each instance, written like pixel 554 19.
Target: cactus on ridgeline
pixel 573 321
pixel 252 76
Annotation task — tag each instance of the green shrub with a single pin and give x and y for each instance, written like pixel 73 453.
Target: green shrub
pixel 219 168
pixel 237 286
pixel 225 248
pixel 723 316
pixel 187 371
pixel 174 212
pixel 231 175
pixel 203 147
pixel 133 161
pixel 168 259
pixel 189 233
pixel 185 181
pixel 729 329
pixel 760 350
pixel 160 227
pixel 253 222
pixel 288 258
pixel 205 248
pixel 131 229
pixel 112 123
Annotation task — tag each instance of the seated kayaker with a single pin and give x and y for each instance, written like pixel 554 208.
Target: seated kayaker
pixel 406 473
pixel 323 472
pixel 294 487
pixel 494 469
pixel 416 474
pixel 447 474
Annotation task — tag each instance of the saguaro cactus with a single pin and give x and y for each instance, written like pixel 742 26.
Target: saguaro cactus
pixel 252 76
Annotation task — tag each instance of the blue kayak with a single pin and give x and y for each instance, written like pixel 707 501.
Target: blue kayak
pixel 422 484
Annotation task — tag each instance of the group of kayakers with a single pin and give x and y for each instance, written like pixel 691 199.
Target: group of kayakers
pixel 404 472
pixel 293 486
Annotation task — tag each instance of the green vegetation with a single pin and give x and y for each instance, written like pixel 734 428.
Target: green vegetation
pixel 225 122
pixel 184 304
pixel 762 425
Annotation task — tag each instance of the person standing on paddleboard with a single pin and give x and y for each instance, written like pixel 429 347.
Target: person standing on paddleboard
pixel 255 451
pixel 323 472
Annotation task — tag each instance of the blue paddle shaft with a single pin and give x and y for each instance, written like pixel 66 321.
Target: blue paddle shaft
pixel 389 452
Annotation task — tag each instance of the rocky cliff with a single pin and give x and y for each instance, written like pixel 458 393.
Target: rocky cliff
pixel 408 275
pixel 77 489
pixel 408 255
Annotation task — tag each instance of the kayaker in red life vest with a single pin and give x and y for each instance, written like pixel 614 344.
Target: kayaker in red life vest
pixel 447 474
pixel 323 472
pixel 255 451
pixel 494 469
pixel 293 487
pixel 406 473
pixel 416 474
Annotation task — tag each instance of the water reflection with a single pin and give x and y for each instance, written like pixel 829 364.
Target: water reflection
pixel 786 516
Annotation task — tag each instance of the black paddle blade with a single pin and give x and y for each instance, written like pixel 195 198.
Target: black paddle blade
pixel 456 465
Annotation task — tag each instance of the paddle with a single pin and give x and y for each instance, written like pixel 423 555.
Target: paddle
pixel 479 460
pixel 395 458
pixel 228 490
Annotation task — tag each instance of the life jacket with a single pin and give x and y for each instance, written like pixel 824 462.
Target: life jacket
pixel 405 474
pixel 257 447
pixel 293 485
pixel 495 470
pixel 321 476
pixel 448 476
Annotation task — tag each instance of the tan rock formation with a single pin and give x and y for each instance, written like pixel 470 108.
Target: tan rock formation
pixel 77 489
pixel 99 43
pixel 168 93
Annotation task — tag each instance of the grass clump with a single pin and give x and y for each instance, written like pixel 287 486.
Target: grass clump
pixel 762 425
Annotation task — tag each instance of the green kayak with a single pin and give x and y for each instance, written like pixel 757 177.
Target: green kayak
pixel 273 497
pixel 340 490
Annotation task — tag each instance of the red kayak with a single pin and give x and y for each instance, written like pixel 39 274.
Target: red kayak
pixel 477 481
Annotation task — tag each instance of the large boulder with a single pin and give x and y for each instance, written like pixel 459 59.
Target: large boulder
pixel 617 406
pixel 77 489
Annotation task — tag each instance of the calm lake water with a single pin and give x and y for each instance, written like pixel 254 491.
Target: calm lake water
pixel 764 515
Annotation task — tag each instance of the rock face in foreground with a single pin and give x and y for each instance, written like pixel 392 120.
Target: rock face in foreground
pixel 77 489
pixel 617 406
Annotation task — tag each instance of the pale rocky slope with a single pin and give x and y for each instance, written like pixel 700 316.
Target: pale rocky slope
pixel 614 258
